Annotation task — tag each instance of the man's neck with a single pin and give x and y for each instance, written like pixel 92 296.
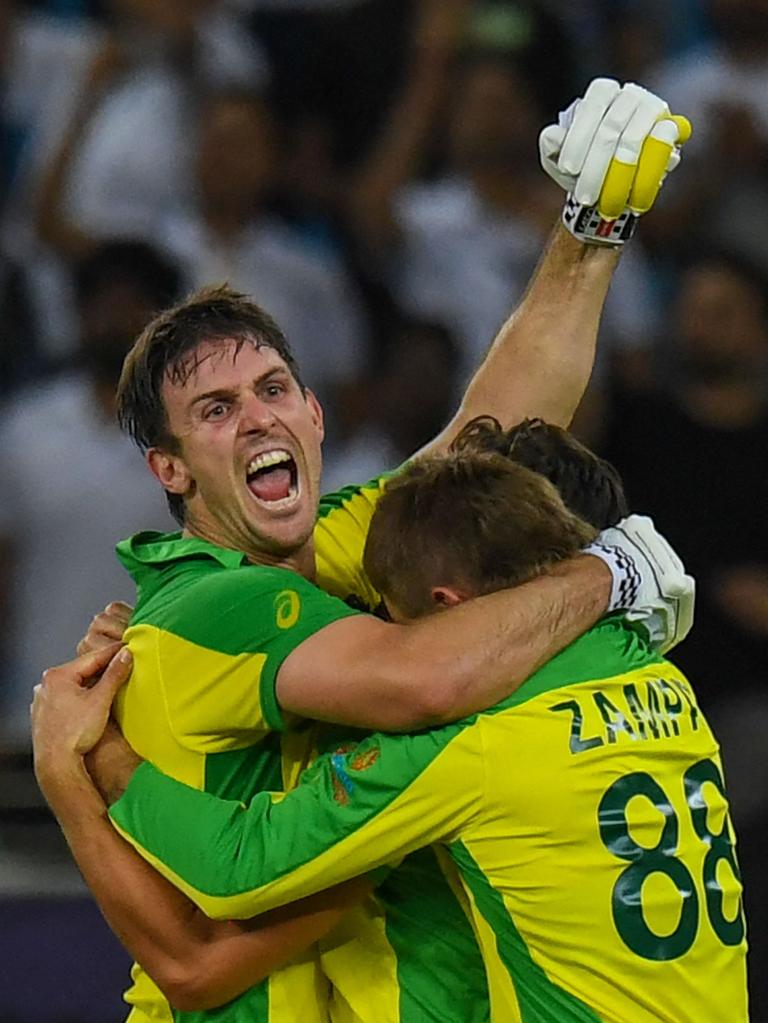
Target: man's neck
pixel 301 561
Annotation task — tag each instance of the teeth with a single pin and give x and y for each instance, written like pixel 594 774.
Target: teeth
pixel 267 458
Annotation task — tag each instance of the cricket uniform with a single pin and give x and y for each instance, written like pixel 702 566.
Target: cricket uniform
pixel 208 635
pixel 586 815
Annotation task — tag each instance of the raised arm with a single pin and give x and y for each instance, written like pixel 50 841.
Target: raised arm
pixel 542 358
pixel 610 152
pixel 399 153
pixel 196 962
pixel 52 223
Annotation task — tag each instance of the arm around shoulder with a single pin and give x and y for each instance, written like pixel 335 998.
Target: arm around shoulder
pixel 372 674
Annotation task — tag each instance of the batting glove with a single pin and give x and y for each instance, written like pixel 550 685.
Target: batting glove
pixel 611 151
pixel 649 580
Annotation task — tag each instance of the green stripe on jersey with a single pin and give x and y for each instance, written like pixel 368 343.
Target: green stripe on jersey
pixel 612 647
pixel 539 998
pixel 338 498
pixel 250 1007
pixel 241 773
pixel 439 966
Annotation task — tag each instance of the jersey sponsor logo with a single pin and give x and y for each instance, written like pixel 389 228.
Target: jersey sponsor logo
pixel 287 608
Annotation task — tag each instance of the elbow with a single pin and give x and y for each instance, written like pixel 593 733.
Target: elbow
pixel 189 988
pixel 432 699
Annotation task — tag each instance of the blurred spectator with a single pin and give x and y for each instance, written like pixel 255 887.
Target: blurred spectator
pixel 334 61
pixel 459 248
pixel 531 34
pixel 690 453
pixel 404 403
pixel 101 115
pixel 694 455
pixel 723 89
pixel 20 357
pixel 71 484
pixel 143 84
pixel 227 233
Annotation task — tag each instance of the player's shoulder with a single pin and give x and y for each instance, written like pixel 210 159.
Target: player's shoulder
pixel 611 649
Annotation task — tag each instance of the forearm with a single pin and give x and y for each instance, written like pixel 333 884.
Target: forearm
pixel 397 156
pixel 542 358
pixel 198 963
pixel 398 678
pixel 51 220
pixel 353 812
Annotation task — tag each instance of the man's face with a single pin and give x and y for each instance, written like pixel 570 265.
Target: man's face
pixel 721 328
pixel 249 459
pixel 493 119
pixel 236 153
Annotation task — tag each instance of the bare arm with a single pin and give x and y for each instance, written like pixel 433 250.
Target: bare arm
pixel 196 962
pixel 373 674
pixel 51 220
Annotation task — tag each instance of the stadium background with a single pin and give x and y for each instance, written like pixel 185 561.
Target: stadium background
pixel 368 170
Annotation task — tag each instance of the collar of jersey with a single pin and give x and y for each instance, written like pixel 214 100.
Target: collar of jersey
pixel 152 548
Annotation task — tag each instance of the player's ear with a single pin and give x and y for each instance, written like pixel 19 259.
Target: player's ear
pixel 448 596
pixel 169 470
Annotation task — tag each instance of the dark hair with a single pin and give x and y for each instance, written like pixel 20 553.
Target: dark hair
pixel 589 485
pixel 474 521
pixel 122 260
pixel 167 349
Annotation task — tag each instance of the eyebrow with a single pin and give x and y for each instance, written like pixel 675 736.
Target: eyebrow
pixel 228 392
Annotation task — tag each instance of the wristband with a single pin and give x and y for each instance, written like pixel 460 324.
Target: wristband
pixel 586 224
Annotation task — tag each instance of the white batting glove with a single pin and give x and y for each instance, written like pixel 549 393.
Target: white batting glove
pixel 649 580
pixel 611 151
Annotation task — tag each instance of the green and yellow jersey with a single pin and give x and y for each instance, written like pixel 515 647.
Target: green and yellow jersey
pixel 586 816
pixel 208 635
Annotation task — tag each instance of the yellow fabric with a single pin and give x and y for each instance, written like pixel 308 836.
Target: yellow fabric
pixel 217 708
pixel 523 791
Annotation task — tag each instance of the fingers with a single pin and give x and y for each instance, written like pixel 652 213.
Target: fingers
pixel 587 118
pixel 84 670
pixel 625 110
pixel 620 144
pixel 107 627
pixel 117 672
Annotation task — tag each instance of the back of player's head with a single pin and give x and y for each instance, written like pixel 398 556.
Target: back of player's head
pixel 473 522
pixel 589 485
pixel 168 348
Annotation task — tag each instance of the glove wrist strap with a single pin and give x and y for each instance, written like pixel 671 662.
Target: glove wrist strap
pixel 586 224
pixel 624 573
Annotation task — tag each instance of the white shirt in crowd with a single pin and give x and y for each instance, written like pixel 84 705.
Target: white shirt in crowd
pixel 309 296
pixel 466 267
pixel 71 486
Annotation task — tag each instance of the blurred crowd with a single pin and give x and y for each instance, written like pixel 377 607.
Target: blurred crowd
pixel 367 170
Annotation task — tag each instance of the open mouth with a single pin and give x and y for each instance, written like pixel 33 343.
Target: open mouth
pixel 273 479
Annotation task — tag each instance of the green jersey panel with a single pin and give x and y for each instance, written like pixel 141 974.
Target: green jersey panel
pixel 208 636
pixel 586 815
